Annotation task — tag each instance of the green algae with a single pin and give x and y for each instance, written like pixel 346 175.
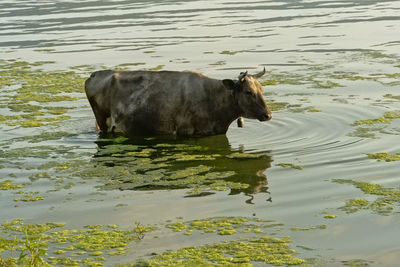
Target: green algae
pixel 123 165
pixel 385 119
pixel 132 64
pixel 7 185
pixel 40 152
pixel 243 252
pixel 330 216
pixel 365 132
pixel 384 156
pixel 369 127
pixel 326 84
pixel 29 197
pixel 397 97
pixel 314 110
pixel 276 106
pixel 289 165
pixel 268 82
pixel 29 90
pixel 231 53
pixel 46 245
pixel 372 121
pixel 222 226
pixel 164 166
pixel 301 109
pixel 241 155
pixel 309 228
pixel 157 68
pixel 382 205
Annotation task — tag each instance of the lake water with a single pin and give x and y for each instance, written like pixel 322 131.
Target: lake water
pixel 324 172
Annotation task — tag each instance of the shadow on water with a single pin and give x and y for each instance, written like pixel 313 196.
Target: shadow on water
pixel 201 165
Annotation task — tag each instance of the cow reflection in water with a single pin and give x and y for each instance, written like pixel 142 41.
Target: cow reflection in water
pixel 203 166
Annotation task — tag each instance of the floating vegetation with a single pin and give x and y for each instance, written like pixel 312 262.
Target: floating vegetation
pixel 231 53
pixel 240 155
pixel 29 197
pixel 314 110
pixel 276 106
pixel 7 185
pixel 157 68
pixel 388 157
pixel 223 226
pixel 42 137
pixel 330 216
pixel 330 76
pixel 365 132
pixel 386 118
pixel 383 205
pixel 326 84
pixel 369 127
pixel 132 64
pixel 268 82
pixel 30 91
pixel 121 164
pixel 372 121
pixel 300 109
pixel 397 97
pixel 289 165
pixel 309 228
pixel 269 250
pixel 25 244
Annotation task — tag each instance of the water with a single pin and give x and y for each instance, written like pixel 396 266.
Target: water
pixel 329 64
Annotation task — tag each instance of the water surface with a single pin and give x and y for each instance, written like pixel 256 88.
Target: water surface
pixel 333 80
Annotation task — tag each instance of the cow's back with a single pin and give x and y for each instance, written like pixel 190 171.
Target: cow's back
pixel 157 102
pixel 141 102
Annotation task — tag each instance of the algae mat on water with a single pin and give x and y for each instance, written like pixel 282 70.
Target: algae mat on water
pixel 384 204
pixel 23 244
pixel 28 94
pixel 50 244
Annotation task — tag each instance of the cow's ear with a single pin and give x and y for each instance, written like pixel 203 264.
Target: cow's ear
pixel 229 84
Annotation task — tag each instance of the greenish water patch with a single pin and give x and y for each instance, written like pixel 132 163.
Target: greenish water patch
pixel 7 185
pixel 243 252
pixel 223 226
pixel 157 68
pixel 328 76
pixel 276 106
pixel 309 228
pixel 199 166
pixel 388 157
pixel 29 197
pixel 330 216
pixel 397 97
pixel 42 137
pixel 384 204
pixel 23 244
pixel 231 53
pixel 28 93
pixel 289 165
pixel 202 166
pixel 369 127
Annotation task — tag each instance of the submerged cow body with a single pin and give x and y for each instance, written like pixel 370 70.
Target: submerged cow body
pixel 172 103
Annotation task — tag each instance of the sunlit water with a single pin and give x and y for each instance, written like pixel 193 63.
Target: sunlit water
pixel 329 63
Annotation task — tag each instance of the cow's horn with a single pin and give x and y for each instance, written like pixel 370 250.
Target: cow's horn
pixel 259 75
pixel 242 75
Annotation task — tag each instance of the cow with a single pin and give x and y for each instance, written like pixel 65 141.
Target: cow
pixel 139 103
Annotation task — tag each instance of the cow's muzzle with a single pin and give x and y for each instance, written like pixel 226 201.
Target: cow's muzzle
pixel 265 117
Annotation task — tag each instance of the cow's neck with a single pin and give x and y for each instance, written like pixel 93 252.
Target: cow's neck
pixel 227 109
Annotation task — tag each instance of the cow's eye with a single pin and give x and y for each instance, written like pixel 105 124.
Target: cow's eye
pixel 249 93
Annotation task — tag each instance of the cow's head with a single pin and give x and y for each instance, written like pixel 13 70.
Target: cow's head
pixel 248 95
